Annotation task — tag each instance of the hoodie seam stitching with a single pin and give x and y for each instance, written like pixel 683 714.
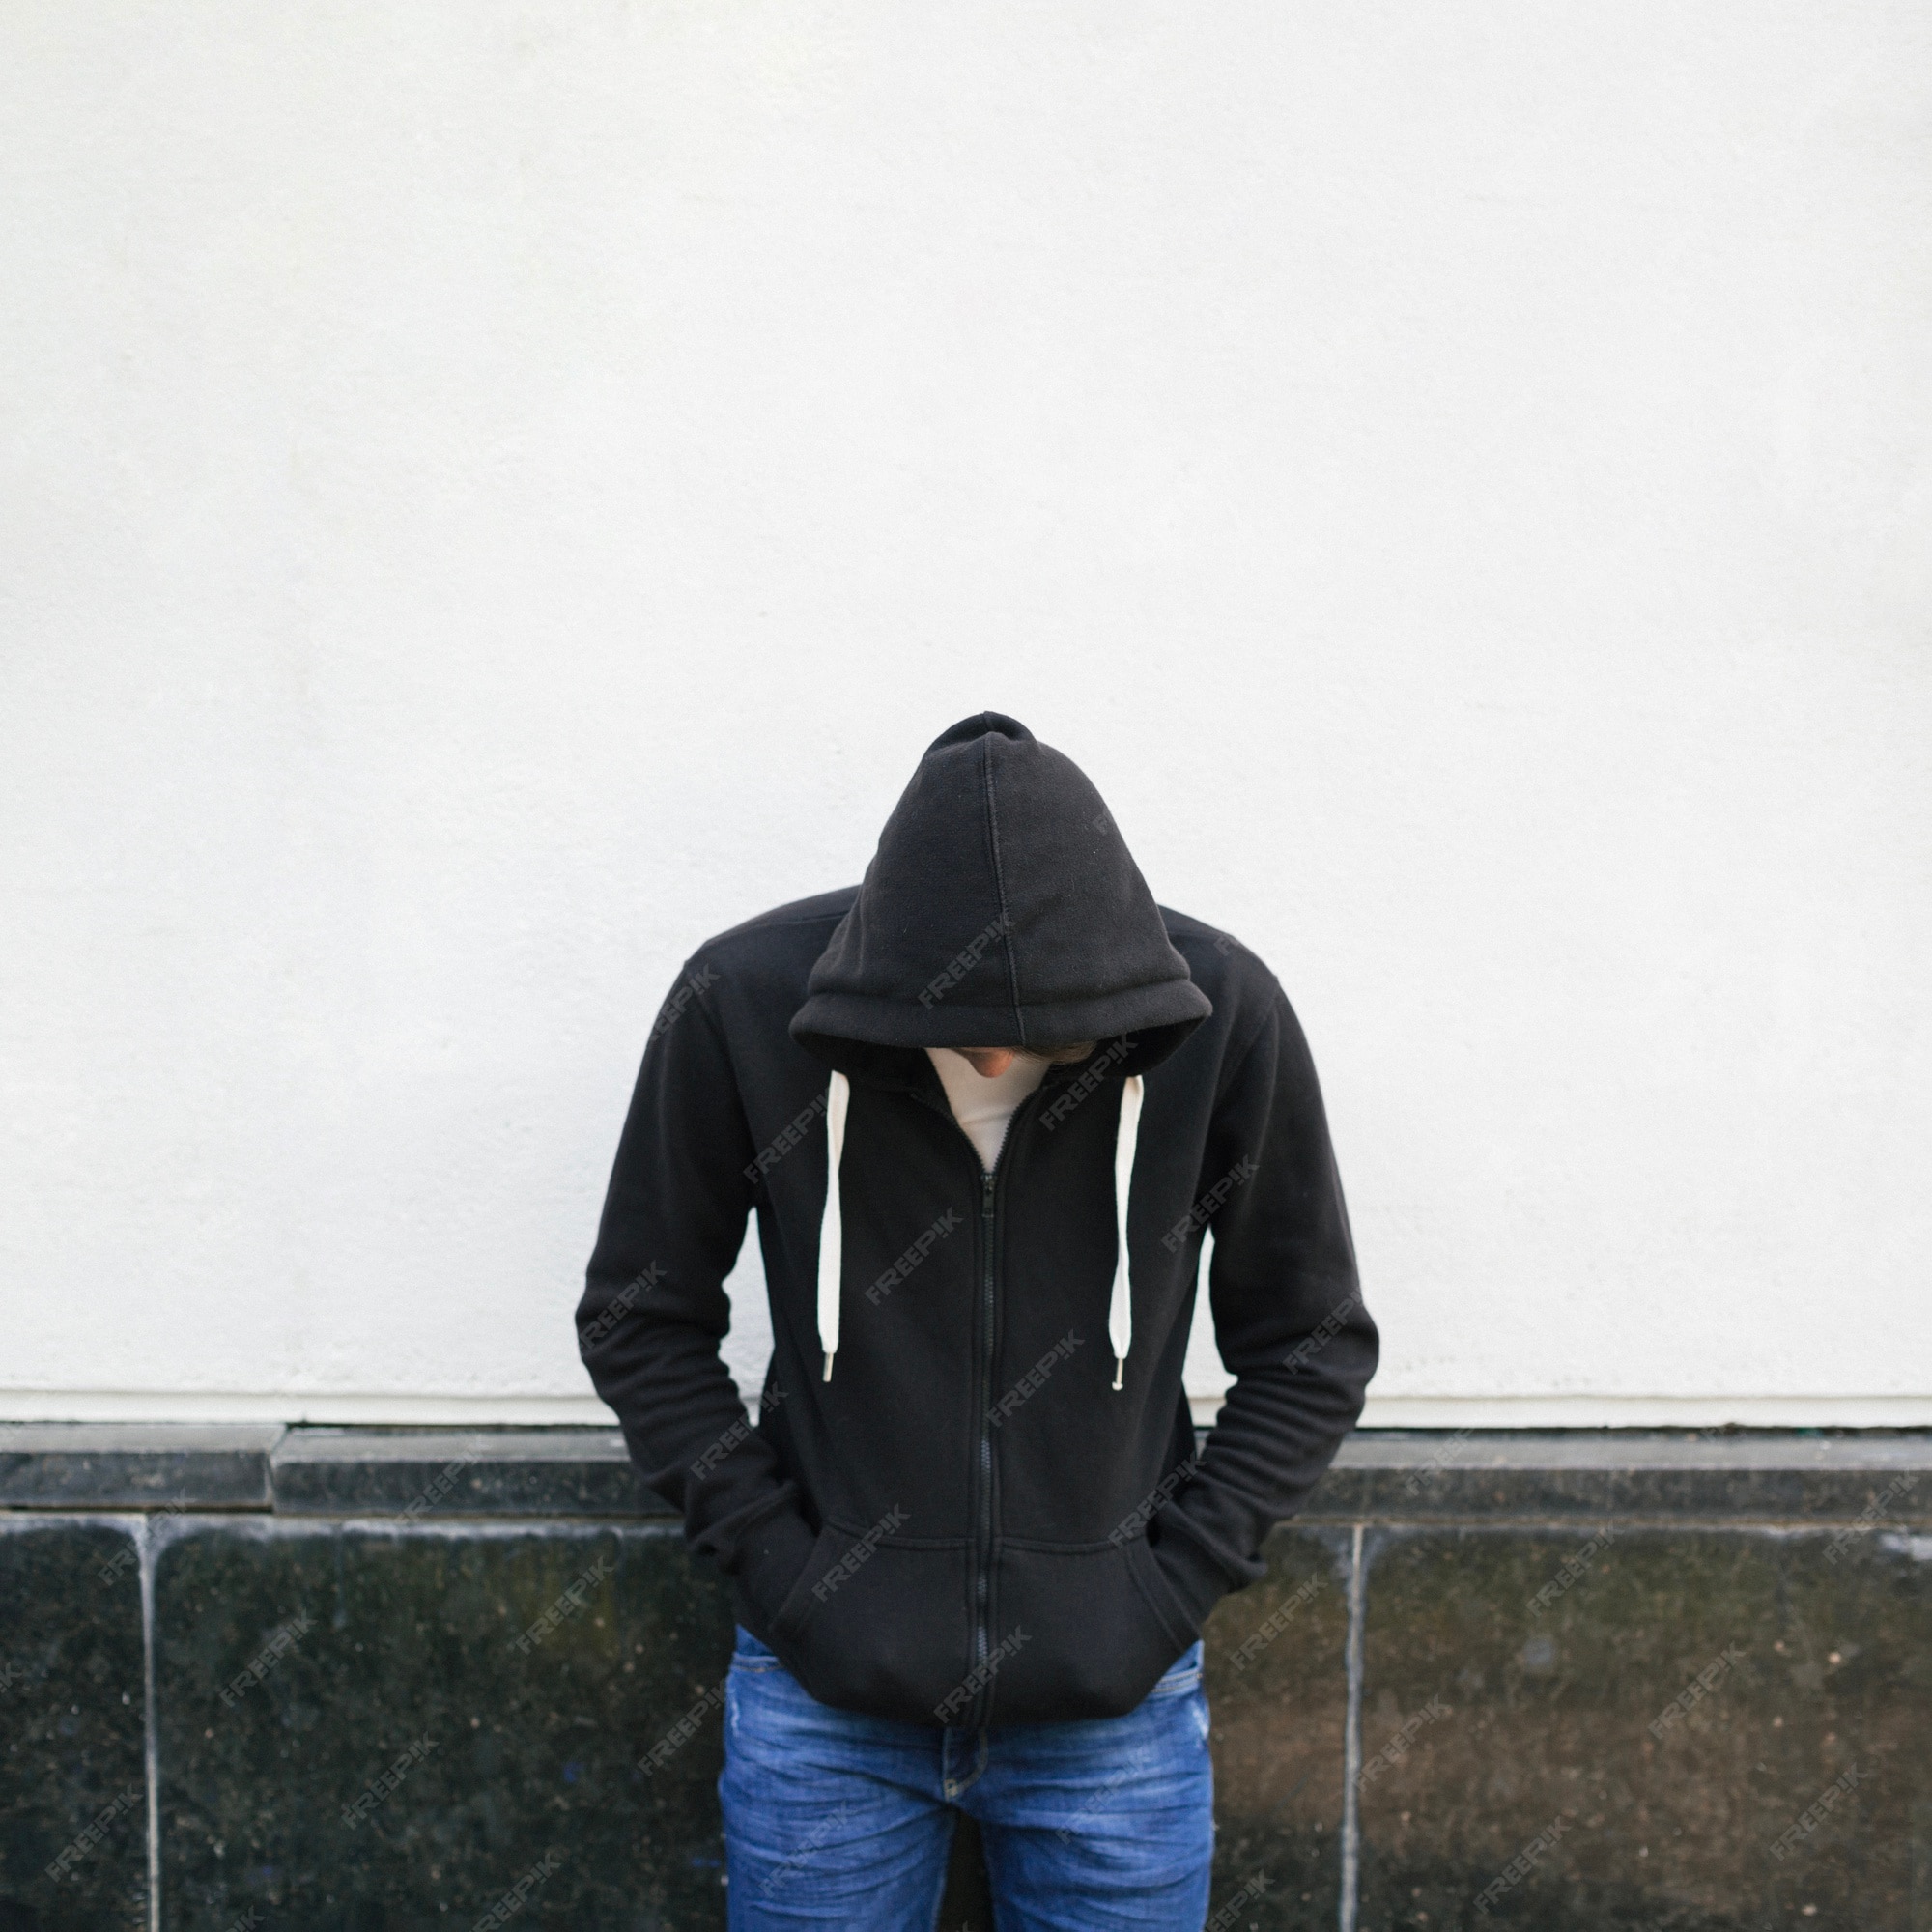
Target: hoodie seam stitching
pixel 1036 1546
pixel 708 1021
pixel 751 931
pixel 1161 1611
pixel 858 1533
pixel 1238 1063
pixel 1173 1518
pixel 786 1495
pixel 1000 885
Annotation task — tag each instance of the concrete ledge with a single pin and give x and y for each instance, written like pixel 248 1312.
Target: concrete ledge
pixel 70 1466
pixel 1523 1476
pixel 546 1472
pixel 1380 1475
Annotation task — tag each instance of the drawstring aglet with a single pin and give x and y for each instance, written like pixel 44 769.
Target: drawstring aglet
pixel 828 1365
pixel 1119 1370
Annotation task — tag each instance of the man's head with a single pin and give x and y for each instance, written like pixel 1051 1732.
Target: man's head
pixel 990 1061
pixel 1002 913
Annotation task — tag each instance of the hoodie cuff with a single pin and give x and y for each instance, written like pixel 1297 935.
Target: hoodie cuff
pixel 1198 1581
pixel 772 1556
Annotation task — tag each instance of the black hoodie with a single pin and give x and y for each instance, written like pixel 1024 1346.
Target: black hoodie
pixel 968 1523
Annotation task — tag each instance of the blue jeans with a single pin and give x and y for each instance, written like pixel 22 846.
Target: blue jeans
pixel 836 1819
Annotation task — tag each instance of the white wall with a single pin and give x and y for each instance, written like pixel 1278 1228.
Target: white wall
pixel 493 493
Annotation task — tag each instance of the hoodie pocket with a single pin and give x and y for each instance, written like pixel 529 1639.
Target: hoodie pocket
pixel 797 1600
pixel 878 1626
pixel 1080 1633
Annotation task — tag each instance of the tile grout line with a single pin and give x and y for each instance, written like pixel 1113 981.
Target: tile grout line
pixel 1351 1741
pixel 150 1750
pixel 39 1514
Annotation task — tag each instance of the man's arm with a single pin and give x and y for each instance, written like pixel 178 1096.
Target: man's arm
pixel 654 1307
pixel 1288 1317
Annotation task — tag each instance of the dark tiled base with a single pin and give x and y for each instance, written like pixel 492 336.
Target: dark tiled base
pixel 1587 1475
pixel 407 1753
pixel 73 1775
pixel 144 1466
pixel 1278 1693
pixel 447 1659
pixel 1501 1724
pixel 415 1472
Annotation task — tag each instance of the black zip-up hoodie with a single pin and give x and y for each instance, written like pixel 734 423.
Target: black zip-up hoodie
pixel 947 1511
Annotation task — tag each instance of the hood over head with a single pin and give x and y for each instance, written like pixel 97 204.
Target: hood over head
pixel 1002 908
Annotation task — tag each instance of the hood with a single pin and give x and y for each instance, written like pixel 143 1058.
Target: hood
pixel 1002 908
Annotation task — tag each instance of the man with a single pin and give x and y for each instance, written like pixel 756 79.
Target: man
pixel 985 1106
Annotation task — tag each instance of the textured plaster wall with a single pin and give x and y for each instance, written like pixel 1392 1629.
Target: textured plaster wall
pixel 492 493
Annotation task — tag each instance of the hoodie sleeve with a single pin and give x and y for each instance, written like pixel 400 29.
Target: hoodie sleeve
pixel 654 1307
pixel 1288 1316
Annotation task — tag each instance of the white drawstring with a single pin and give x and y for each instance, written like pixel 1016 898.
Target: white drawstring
pixel 832 1228
pixel 1120 1311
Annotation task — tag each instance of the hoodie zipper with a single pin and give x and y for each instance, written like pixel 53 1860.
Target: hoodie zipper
pixel 982 1528
pixel 981 1575
pixel 982 1525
